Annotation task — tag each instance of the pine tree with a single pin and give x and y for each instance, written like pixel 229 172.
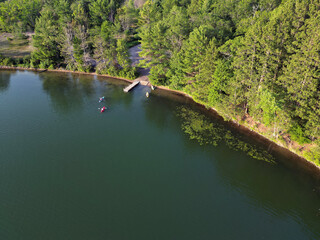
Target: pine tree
pixel 301 79
pixel 45 40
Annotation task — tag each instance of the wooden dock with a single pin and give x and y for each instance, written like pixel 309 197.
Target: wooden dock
pixel 131 86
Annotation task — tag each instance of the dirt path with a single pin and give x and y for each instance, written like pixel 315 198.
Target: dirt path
pixel 135 59
pixel 134 55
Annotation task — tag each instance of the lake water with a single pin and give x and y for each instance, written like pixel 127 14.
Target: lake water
pixel 147 168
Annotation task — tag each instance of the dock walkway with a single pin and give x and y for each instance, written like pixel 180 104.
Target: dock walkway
pixel 131 86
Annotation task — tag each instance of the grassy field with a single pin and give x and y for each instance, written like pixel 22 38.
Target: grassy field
pixel 15 48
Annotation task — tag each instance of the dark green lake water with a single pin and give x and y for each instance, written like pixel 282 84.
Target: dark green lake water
pixel 147 168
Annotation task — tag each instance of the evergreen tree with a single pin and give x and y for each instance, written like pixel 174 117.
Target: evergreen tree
pixel 45 40
pixel 301 79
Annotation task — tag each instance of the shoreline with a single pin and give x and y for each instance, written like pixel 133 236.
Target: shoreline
pixel 39 70
pixel 294 159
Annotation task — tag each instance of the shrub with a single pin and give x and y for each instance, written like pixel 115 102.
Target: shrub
pixel 297 134
pixel 7 62
pixel 27 61
pixel 313 155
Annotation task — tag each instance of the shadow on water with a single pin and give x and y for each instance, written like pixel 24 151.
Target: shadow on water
pixel 86 84
pixel 113 91
pixel 267 183
pixel 236 136
pixel 157 113
pixel 273 189
pixel 67 91
pixel 253 167
pixel 159 107
pixel 205 131
pixel 4 80
pixel 199 126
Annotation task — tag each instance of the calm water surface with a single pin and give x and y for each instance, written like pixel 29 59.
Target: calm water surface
pixel 147 168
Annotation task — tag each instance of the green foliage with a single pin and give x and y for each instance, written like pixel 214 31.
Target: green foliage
pixel 26 61
pixel 193 50
pixel 268 106
pixel 260 58
pixel 158 75
pixel 218 90
pixel 71 33
pixel 45 40
pixel 102 10
pixel 313 154
pixel 297 133
pixel 19 14
pixel 6 61
pixel 79 13
pixel 112 54
pixel 122 54
pixel 127 15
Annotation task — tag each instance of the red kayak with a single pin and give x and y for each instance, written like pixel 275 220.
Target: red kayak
pixel 103 109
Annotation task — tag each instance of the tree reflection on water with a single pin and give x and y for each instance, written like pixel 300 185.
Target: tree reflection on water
pixel 200 128
pixel 4 80
pixel 67 91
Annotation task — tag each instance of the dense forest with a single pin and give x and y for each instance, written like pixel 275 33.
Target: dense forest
pixel 249 59
pixel 76 35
